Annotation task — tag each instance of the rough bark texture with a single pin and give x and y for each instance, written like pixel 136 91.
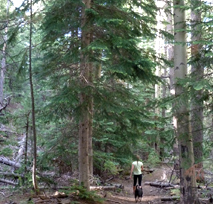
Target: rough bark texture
pixel 85 101
pixel 197 74
pixel 187 174
pixel 170 57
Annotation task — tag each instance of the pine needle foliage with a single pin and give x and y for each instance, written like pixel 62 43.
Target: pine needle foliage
pixel 116 28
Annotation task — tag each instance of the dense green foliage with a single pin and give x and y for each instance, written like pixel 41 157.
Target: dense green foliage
pixel 125 119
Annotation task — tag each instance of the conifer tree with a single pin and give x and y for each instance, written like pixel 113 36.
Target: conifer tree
pixel 107 35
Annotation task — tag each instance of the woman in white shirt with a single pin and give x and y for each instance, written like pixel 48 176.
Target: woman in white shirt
pixel 137 168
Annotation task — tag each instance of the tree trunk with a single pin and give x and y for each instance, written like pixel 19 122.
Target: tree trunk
pixel 3 62
pixel 170 57
pixel 35 186
pixel 186 155
pixel 91 110
pixel 197 75
pixel 158 72
pixel 26 143
pixel 85 129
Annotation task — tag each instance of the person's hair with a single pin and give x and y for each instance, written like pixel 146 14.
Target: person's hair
pixel 137 157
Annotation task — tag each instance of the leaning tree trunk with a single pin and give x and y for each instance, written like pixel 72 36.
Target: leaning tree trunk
pixel 35 185
pixel 197 75
pixel 85 124
pixel 186 155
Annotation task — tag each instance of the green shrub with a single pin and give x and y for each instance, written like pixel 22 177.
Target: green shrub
pixel 111 167
pixel 7 152
pixel 153 158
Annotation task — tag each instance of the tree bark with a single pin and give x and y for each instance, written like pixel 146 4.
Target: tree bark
pixel 85 101
pixel 186 155
pixel 26 142
pixel 3 62
pixel 197 75
pixel 170 57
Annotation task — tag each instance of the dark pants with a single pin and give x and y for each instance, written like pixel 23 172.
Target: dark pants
pixel 139 178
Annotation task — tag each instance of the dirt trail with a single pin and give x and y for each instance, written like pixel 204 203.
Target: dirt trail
pixel 151 195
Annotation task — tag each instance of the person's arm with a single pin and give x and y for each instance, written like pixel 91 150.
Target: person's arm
pixel 131 171
pixel 142 168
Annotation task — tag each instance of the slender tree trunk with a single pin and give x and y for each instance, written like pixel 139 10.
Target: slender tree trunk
pixel 197 75
pixel 159 47
pixel 85 128
pixel 3 62
pixel 91 110
pixel 186 155
pixel 170 57
pixel 35 186
pixel 3 70
pixel 26 143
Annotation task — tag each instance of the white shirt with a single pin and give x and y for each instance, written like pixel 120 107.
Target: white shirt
pixel 137 167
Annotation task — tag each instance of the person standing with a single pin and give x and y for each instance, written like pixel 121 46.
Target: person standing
pixel 137 168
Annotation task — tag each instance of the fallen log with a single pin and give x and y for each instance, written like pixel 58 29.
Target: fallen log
pixel 170 198
pixel 148 170
pixel 172 187
pixel 8 162
pixel 106 187
pixel 160 184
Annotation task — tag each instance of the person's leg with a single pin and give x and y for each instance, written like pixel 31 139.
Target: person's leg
pixel 139 179
pixel 134 183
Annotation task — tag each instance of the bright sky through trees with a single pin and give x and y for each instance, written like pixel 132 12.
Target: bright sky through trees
pixel 17 3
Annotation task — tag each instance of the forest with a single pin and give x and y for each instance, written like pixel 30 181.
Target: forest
pixel 85 85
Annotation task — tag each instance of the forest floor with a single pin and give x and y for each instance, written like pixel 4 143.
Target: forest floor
pixel 151 195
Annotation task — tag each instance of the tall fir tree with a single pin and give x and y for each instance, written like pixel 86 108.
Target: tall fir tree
pixel 81 35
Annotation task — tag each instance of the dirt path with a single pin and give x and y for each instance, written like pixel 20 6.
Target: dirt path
pixel 151 195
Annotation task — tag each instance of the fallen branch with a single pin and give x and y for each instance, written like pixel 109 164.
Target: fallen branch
pixel 8 182
pixel 110 179
pixel 2 194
